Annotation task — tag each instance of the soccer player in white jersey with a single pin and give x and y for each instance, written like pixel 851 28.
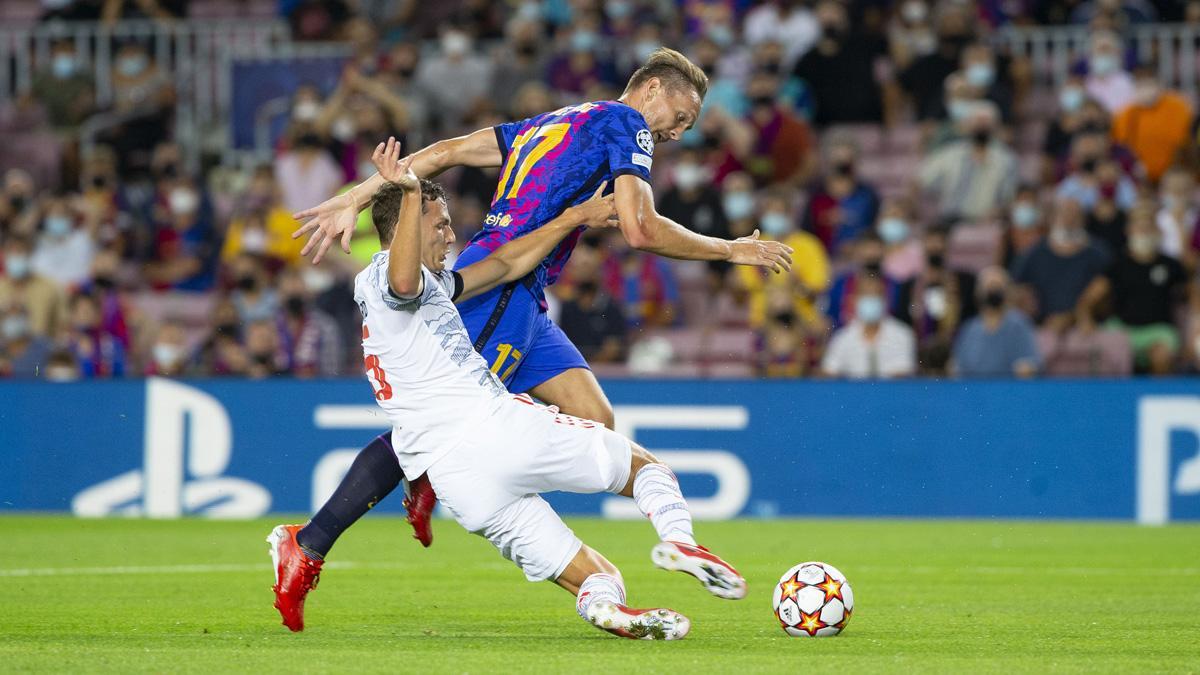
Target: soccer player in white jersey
pixel 489 454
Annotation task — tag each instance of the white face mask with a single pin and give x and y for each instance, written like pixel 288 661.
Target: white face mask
pixel 455 44
pixel 254 240
pixel 343 129
pixel 776 224
pixel 1103 64
pixel 166 355
pixel 935 302
pixel 689 175
pixel 893 230
pixel 981 75
pixel 183 201
pixel 306 111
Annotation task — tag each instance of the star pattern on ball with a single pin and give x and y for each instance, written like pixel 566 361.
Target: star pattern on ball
pixel 845 620
pixel 790 588
pixel 832 588
pixel 811 623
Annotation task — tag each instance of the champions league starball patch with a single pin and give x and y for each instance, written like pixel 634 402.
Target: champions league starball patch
pixel 645 141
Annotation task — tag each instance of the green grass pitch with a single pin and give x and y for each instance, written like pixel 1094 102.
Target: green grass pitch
pixel 931 596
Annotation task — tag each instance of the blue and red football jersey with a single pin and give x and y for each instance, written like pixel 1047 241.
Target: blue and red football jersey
pixel 554 161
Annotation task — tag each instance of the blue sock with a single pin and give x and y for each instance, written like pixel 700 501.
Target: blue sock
pixel 373 475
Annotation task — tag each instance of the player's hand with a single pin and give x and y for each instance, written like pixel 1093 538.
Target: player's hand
pixel 387 160
pixel 754 251
pixel 332 219
pixel 599 211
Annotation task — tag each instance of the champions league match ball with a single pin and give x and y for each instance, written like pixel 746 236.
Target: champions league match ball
pixel 813 599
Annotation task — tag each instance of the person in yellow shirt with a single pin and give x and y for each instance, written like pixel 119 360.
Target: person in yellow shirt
pixel 1156 125
pixel 809 276
pixel 265 227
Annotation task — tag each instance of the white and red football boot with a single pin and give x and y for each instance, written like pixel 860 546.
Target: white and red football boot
pixel 638 624
pixel 717 576
pixel 295 575
pixel 419 503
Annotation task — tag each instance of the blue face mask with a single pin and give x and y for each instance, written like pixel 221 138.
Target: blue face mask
pixel 17 266
pixel 57 226
pixel 738 205
pixel 63 66
pixel 131 66
pixel 980 75
pixel 893 230
pixel 869 309
pixel 776 224
pixel 1071 99
pixel 584 41
pixel 1024 215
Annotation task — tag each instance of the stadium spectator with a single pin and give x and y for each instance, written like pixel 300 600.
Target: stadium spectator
pixel 726 90
pixel 518 61
pixel 988 77
pixel 868 255
pixel 43 301
pixel 24 353
pixel 794 94
pixel 64 250
pixel 910 34
pixel 935 302
pixel 785 22
pixel 840 70
pixel 1113 198
pixel 263 226
pixel 265 357
pixel 306 170
pixel 309 337
pixel 1107 81
pixel 185 247
pixel 169 355
pixel 399 73
pixel 143 96
pixel 786 343
pixel 1056 272
pixel 975 177
pixel 874 345
pixel 105 288
pixel 804 284
pixel 1178 216
pixel 903 255
pixel 61 366
pixel 1095 175
pixel 253 297
pixel 923 78
pixel 688 201
pixel 783 149
pixel 1156 125
pixel 643 283
pixel 1025 225
pixel 842 206
pixel 594 323
pixel 66 88
pixel 739 204
pixel 455 78
pixel 98 352
pixel 1077 114
pixel 999 342
pixel 1146 285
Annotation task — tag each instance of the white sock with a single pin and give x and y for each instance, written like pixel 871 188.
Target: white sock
pixel 599 587
pixel 656 491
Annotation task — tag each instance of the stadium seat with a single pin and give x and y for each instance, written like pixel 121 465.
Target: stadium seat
pixel 729 371
pixel 1105 353
pixel 973 247
pixel 729 346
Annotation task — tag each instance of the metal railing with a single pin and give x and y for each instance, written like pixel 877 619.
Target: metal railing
pixel 1053 50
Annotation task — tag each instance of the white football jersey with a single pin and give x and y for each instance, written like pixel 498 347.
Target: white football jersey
pixel 427 377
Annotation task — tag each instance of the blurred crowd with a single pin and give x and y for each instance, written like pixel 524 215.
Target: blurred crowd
pixel 948 216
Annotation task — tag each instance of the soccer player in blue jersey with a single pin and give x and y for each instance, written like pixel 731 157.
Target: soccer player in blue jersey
pixel 550 162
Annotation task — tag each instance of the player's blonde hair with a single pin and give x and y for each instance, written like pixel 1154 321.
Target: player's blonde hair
pixel 673 69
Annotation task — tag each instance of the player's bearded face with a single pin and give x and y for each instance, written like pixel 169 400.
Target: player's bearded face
pixel 438 235
pixel 669 113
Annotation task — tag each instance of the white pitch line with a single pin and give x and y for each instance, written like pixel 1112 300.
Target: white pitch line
pixel 1049 569
pixel 174 569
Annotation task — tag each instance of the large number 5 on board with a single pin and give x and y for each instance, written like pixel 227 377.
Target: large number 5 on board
pixel 527 149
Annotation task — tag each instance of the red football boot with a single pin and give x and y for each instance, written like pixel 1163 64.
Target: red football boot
pixel 717 576
pixel 419 504
pixel 295 575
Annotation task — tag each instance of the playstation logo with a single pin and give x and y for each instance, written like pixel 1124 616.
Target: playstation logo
pixel 187 447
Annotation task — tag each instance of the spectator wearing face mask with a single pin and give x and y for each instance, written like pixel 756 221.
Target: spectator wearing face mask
pixel 840 70
pixel 923 80
pixel 262 226
pixel 689 200
pixel 1025 227
pixel 44 302
pixel 1076 114
pixel 739 204
pixel 961 99
pixel 65 87
pixel 911 35
pixel 98 352
pixel 579 67
pixel 64 250
pixel 809 276
pixel 842 206
pixel 185 246
pixel 988 77
pixel 643 283
pixel 308 336
pixel 1056 272
pixel 264 356
pixel 252 295
pixel 786 22
pixel 973 178
pixel 1145 287
pixel 1000 342
pixel 783 145
pixel 169 355
pixel 935 302
pixel 24 352
pixel 1107 81
pixel 868 257
pixel 1156 125
pixel 1178 216
pixel 143 95
pixel 105 288
pixel 594 323
pixel 874 345
pixel 520 60
pixel 903 256
pixel 1095 175
pixel 305 170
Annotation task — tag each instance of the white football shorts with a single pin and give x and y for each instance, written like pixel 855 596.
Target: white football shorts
pixel 491 481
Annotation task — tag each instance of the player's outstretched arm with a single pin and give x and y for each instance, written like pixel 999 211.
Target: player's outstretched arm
pixel 520 256
pixel 404 252
pixel 335 218
pixel 646 230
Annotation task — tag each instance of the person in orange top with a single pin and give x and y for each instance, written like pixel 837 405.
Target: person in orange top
pixel 1156 125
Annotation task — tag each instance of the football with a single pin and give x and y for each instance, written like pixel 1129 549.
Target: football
pixel 813 599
